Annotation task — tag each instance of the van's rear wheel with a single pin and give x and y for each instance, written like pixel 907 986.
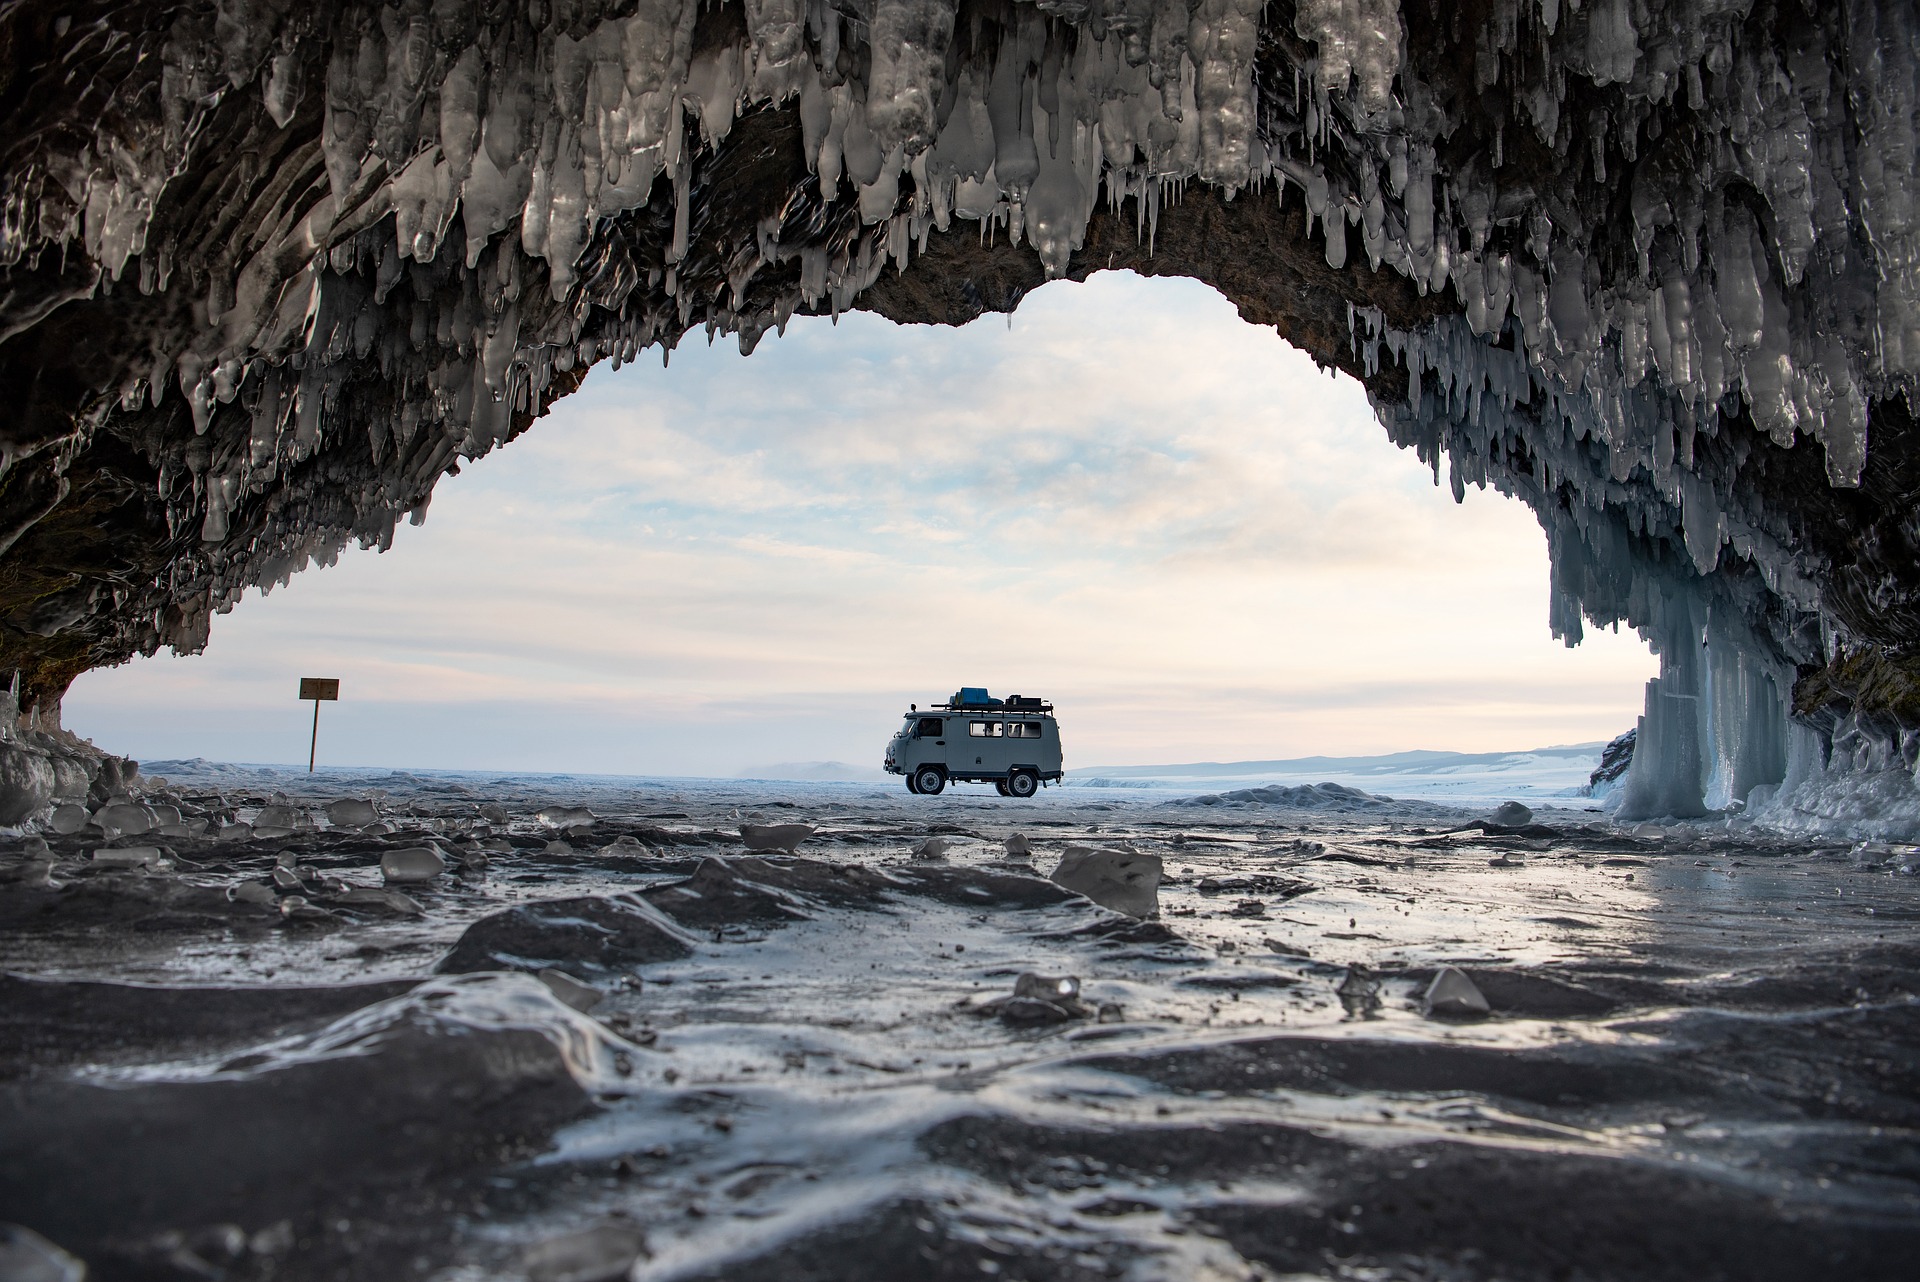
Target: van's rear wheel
pixel 929 781
pixel 1023 783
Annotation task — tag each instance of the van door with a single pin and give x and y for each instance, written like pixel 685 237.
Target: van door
pixel 929 744
pixel 988 751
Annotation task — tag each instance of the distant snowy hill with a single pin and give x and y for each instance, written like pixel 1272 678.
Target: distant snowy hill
pixel 1419 762
pixel 815 772
pixel 1458 778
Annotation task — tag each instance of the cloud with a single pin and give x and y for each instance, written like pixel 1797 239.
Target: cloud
pixel 1130 500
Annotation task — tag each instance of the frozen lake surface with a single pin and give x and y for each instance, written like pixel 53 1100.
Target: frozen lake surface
pixel 618 1045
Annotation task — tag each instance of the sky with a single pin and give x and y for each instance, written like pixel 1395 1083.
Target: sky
pixel 1124 499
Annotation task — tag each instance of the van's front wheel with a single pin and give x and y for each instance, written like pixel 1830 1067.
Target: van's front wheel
pixel 929 781
pixel 1023 783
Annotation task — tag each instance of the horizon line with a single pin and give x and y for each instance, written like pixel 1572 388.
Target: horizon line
pixel 294 767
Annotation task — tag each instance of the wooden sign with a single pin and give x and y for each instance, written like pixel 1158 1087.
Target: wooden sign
pixel 318 689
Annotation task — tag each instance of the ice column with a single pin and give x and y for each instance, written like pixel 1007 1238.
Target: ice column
pixel 1668 777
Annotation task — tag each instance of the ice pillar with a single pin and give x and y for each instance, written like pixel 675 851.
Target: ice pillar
pixel 1715 726
pixel 1749 713
pixel 1668 777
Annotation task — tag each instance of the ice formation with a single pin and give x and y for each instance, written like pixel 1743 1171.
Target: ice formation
pixel 1651 266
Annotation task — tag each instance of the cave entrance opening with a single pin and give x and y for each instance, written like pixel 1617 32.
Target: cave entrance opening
pixel 1203 544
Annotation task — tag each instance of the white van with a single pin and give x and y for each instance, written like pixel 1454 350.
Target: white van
pixel 1011 743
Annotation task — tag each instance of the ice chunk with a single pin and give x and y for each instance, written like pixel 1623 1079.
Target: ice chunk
pixel 784 838
pixel 124 819
pixel 600 1254
pixel 350 812
pixel 69 819
pixel 1039 999
pixel 279 817
pixel 369 897
pixel 1452 994
pixel 25 1256
pixel 575 993
pixel 129 857
pixel 1118 879
pixel 566 816
pixel 412 864
pixel 1053 988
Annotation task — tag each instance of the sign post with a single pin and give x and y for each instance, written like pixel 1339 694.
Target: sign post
pixel 317 689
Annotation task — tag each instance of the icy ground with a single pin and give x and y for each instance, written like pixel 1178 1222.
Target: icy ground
pixel 245 1056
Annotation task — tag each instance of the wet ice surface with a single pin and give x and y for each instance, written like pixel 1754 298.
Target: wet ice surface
pixel 252 1056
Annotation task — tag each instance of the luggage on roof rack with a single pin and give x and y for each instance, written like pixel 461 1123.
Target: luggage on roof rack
pixel 977 697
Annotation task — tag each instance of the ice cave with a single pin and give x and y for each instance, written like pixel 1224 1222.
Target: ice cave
pixel 269 269
pixel 1652 268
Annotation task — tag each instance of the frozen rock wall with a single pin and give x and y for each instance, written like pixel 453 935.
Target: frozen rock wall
pixel 268 270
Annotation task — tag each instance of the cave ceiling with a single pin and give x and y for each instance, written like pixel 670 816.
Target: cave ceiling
pixel 270 268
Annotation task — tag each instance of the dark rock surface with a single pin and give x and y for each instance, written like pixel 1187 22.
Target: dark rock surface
pixel 857 1065
pixel 614 933
pixel 264 1148
pixel 48 1025
pixel 1615 759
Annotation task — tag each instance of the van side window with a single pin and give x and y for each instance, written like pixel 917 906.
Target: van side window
pixel 1023 730
pixel 931 728
pixel 985 729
